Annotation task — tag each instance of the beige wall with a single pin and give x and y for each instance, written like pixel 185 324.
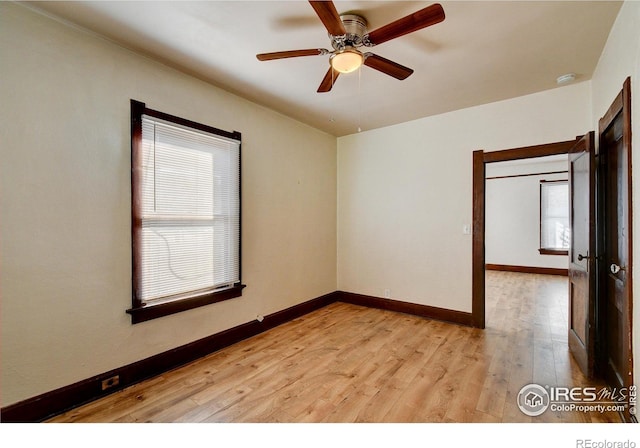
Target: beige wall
pixel 65 260
pixel 404 193
pixel 620 59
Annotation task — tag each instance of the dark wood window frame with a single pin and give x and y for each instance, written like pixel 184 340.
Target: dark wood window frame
pixel 139 311
pixel 545 250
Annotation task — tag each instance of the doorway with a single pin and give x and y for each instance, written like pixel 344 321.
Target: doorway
pixel 480 159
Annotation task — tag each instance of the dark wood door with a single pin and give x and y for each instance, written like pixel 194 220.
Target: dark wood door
pixel 582 253
pixel 614 308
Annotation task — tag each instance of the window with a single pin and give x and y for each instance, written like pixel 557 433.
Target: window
pixel 185 180
pixel 555 233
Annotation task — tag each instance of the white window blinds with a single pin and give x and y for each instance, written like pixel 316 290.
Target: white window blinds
pixel 555 232
pixel 190 211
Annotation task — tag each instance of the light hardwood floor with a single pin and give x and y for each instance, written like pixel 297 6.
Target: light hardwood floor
pixel 345 363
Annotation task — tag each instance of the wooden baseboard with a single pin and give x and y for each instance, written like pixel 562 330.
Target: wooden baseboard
pixel 431 312
pixel 51 403
pixel 526 269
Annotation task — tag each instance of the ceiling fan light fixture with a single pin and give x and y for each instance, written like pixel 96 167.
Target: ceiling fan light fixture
pixel 347 61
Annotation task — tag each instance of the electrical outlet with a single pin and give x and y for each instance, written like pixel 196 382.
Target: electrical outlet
pixel 387 293
pixel 110 382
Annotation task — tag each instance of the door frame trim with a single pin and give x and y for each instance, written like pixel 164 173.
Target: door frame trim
pixel 480 160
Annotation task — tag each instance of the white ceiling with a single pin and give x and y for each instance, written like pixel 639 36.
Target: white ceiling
pixel 482 52
pixel 537 165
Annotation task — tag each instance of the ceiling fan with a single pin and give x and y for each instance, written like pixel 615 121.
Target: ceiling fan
pixel 349 32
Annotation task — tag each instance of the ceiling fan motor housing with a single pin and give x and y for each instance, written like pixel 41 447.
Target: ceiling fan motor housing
pixel 355 27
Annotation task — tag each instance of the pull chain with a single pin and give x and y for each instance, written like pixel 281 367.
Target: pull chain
pixel 359 99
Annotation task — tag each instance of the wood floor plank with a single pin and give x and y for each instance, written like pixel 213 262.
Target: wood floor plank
pixel 465 409
pixel 375 410
pixel 348 363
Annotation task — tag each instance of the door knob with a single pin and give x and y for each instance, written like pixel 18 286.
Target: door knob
pixel 615 268
pixel 583 257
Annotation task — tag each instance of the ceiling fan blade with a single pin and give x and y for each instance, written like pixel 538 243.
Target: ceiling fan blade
pixel 329 80
pixel 290 54
pixel 329 17
pixel 387 67
pixel 421 19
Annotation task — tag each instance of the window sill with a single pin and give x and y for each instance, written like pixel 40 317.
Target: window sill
pixel 150 312
pixel 553 252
